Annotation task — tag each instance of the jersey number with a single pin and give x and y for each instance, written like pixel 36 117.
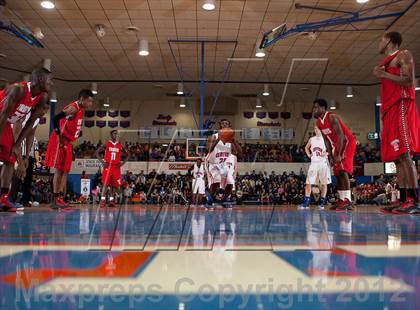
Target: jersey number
pixel 222 160
pixel 113 156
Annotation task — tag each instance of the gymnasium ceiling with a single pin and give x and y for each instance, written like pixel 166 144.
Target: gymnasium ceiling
pixel 77 53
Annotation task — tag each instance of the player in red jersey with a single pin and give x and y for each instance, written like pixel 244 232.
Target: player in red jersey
pixel 16 102
pixel 400 137
pixel 339 138
pixel 67 126
pixel 111 174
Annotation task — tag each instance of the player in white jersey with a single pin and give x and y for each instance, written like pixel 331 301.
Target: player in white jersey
pixel 198 184
pixel 216 167
pixel 231 172
pixel 319 170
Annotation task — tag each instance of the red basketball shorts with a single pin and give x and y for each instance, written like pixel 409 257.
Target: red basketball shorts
pixel 401 131
pixel 58 156
pixel 7 139
pixel 346 163
pixel 111 175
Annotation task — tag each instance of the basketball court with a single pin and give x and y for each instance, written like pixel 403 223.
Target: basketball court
pixel 164 74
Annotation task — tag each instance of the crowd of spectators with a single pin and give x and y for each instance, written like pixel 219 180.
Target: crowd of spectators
pixel 262 188
pixel 252 152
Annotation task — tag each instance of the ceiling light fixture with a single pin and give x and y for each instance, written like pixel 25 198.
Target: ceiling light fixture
pixel 46 64
pixel 266 91
pixel 47 5
pixel 53 97
pixel 378 101
pixel 259 104
pixel 417 85
pixel 180 90
pixel 209 5
pixel 349 92
pixel 333 105
pixel 143 48
pixel 259 52
pixel 362 1
pixel 94 88
pixel 107 104
pixel 182 103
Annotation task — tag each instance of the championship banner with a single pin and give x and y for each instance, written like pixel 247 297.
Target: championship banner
pixel 100 124
pixel 85 187
pixel 261 115
pixel 248 115
pixel 112 124
pixel 113 113
pixel 273 115
pixel 101 113
pixel 286 115
pixel 89 123
pixel 89 113
pixel 307 115
pixel 125 113
pixel 124 124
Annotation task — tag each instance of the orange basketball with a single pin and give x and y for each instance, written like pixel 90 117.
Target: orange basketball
pixel 226 135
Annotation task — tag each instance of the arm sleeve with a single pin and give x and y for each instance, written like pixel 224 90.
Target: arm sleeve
pixel 56 121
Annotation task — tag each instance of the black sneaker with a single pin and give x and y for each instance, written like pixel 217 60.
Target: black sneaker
pixel 390 208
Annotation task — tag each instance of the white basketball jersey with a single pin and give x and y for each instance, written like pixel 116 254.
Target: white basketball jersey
pixel 231 161
pixel 220 153
pixel 317 148
pixel 198 172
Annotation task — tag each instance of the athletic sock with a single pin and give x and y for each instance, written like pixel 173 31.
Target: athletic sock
pixel 341 195
pixel 4 191
pixel 323 200
pixel 412 193
pixel 306 200
pixel 347 195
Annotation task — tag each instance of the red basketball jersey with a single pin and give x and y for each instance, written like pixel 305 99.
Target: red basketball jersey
pixel 392 92
pixel 71 126
pixel 113 153
pixel 24 106
pixel 326 128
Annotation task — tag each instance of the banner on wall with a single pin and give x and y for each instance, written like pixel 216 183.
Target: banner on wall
pixel 149 132
pixel 286 115
pixel 89 113
pixel 185 133
pixel 124 124
pixel 164 120
pixel 248 115
pixel 113 113
pixel 271 133
pixel 100 124
pixel 287 134
pixel 101 113
pixel 42 120
pixel 112 124
pixel 261 115
pixel 250 133
pixel 307 115
pixel 167 132
pixel 85 187
pixel 125 113
pixel 89 123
